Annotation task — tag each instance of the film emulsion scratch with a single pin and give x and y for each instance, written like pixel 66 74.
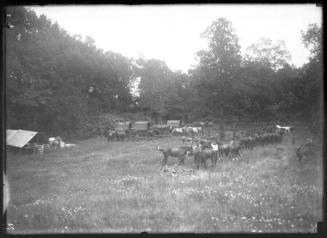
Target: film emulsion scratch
pixel 159 119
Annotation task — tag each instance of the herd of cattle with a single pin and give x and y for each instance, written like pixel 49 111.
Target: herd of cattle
pixel 128 131
pixel 205 148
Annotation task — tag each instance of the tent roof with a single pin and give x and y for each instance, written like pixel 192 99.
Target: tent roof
pixel 19 138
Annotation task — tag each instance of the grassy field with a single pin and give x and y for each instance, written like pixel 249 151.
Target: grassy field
pixel 120 187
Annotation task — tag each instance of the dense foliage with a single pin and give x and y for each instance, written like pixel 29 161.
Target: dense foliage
pixel 60 84
pixel 56 82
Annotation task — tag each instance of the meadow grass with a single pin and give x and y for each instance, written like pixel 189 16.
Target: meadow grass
pixel 120 187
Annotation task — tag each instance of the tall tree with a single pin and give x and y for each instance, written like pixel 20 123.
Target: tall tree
pixel 155 79
pixel 312 40
pixel 269 54
pixel 217 67
pixel 312 76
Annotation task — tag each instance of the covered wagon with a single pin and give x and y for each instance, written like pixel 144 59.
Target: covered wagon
pixel 123 126
pixel 174 123
pixel 161 129
pixel 141 126
pixel 122 130
pixel 142 129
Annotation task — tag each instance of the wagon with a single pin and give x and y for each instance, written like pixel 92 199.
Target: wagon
pixel 174 123
pixel 161 129
pixel 141 129
pixel 126 125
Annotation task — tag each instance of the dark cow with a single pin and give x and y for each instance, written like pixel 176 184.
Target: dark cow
pixel 201 155
pixel 179 153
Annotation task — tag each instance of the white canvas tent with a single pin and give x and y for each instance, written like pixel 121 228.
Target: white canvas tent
pixel 19 138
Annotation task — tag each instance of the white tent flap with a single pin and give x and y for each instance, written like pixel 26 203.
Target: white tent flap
pixel 19 138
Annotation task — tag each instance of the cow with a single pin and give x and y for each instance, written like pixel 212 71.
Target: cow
pixel 201 155
pixel 179 153
pixel 179 130
pixel 285 129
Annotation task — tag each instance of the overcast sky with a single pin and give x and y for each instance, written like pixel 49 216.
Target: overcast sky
pixel 172 33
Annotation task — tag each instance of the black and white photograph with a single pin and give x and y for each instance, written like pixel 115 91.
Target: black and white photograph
pixel 171 118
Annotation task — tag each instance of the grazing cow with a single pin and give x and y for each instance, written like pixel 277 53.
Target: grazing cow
pixel 179 153
pixel 232 149
pixel 200 156
pixel 189 149
pixel 235 148
pixel 179 130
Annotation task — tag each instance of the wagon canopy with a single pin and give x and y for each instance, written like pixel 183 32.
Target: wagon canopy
pixel 160 126
pixel 122 126
pixel 174 123
pixel 141 125
pixel 19 138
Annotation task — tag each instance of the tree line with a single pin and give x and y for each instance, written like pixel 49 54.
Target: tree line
pixel 58 83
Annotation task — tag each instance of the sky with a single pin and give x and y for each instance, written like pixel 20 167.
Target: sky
pixel 172 32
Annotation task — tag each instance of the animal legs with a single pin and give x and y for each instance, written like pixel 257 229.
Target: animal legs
pixel 164 161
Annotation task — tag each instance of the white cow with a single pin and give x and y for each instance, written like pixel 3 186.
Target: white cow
pixel 193 129
pixel 284 128
pixel 178 130
pixel 214 146
pixel 54 142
